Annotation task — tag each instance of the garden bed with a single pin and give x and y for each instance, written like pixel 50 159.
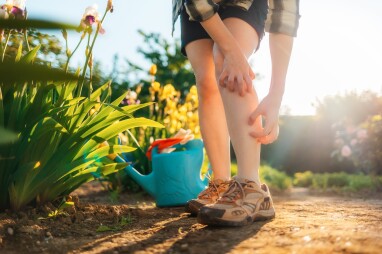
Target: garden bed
pixel 305 223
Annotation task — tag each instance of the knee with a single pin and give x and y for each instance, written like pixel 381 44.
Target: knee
pixel 207 86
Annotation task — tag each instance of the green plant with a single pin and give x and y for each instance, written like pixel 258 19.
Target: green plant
pixel 303 179
pixel 339 181
pixel 59 131
pixel 274 178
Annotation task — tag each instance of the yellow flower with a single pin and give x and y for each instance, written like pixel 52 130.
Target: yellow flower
pixel 153 70
pixel 155 86
pixel 193 90
pixel 376 118
pixel 168 92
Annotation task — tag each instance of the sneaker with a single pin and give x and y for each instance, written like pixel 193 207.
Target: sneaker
pixel 242 204
pixel 215 190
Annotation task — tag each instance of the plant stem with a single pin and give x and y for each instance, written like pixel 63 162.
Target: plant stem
pixel 5 45
pixel 26 39
pixel 89 54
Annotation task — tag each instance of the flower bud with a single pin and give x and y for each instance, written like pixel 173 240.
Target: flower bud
pixel 90 63
pixel 64 34
pixel 110 6
pixel 153 69
pixel 68 53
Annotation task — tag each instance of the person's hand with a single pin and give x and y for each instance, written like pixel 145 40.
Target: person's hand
pixel 269 109
pixel 237 75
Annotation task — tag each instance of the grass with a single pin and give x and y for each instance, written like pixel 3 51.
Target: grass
pixel 338 181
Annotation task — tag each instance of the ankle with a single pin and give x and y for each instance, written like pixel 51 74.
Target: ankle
pixel 243 179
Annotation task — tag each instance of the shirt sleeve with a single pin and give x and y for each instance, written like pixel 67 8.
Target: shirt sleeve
pixel 283 17
pixel 200 10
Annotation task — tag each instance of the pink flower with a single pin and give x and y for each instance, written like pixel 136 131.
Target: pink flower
pixel 362 134
pixel 346 151
pixel 91 17
pixel 15 8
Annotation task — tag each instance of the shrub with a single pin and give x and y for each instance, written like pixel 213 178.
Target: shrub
pixel 337 179
pixel 274 178
pixel 303 179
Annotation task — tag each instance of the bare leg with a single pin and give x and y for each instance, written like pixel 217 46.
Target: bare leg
pixel 238 109
pixel 211 111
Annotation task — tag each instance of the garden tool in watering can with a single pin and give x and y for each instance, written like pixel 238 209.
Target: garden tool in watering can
pixel 176 176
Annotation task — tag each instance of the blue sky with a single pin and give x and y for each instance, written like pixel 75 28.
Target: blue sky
pixel 338 47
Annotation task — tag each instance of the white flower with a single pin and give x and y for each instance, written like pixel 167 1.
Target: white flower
pixel 91 14
pixel 133 95
pixel 3 14
pixel 90 17
pixel 16 3
pixel 346 151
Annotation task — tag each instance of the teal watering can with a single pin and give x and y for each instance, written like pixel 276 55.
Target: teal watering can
pixel 175 177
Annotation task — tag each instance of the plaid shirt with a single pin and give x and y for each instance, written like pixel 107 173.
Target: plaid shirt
pixel 283 15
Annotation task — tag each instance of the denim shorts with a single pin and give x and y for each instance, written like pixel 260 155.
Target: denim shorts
pixel 255 17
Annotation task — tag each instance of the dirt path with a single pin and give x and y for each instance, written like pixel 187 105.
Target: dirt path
pixel 304 224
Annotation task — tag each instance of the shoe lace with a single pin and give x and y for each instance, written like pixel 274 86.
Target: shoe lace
pixel 211 189
pixel 235 191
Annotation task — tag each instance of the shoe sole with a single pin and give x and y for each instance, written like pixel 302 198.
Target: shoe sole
pixel 193 207
pixel 191 211
pixel 215 221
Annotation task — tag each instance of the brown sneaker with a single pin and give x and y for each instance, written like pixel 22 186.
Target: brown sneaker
pixel 215 190
pixel 242 204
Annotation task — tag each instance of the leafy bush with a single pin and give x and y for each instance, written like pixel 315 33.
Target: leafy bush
pixel 338 181
pixel 61 135
pixel 275 179
pixel 303 179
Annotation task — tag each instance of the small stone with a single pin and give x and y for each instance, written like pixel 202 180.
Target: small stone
pixel 48 234
pixel 307 238
pixel 38 242
pixel 184 246
pixel 30 222
pixel 79 217
pixel 10 231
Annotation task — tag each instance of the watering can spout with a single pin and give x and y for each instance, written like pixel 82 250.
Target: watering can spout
pixel 145 181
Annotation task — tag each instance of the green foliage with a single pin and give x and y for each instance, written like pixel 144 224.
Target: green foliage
pixel 19 24
pixel 173 67
pixel 337 181
pixel 275 179
pixel 61 135
pixel 303 179
pixel 10 73
pixel 370 157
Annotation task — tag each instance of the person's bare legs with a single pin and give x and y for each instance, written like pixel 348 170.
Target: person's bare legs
pixel 238 109
pixel 212 119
